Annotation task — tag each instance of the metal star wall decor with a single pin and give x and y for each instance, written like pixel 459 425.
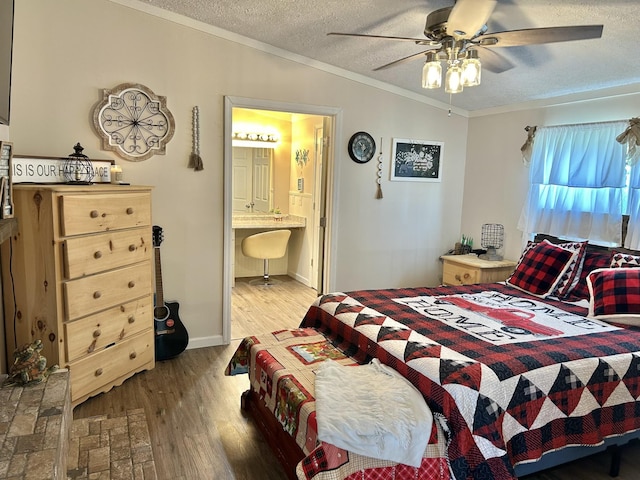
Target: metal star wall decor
pixel 133 122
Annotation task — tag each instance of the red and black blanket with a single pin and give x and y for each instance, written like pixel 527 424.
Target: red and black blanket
pixel 514 375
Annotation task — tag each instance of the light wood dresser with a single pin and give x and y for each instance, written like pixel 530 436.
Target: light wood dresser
pixel 79 276
pixel 469 269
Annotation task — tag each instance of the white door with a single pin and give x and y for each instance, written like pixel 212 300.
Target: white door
pixel 320 201
pixel 242 194
pixel 261 179
pixel 316 253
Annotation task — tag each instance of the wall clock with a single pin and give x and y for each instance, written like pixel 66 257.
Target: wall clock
pixel 361 147
pixel 133 122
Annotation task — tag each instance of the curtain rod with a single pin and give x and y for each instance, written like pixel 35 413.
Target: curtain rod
pixel 527 128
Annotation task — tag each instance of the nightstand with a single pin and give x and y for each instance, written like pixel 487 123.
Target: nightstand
pixel 469 269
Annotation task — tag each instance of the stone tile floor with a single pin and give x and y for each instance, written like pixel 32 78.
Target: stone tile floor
pixel 34 426
pixel 111 447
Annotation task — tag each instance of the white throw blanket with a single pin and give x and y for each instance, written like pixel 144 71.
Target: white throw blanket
pixel 372 410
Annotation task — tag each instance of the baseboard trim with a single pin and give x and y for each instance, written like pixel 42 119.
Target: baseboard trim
pixel 201 342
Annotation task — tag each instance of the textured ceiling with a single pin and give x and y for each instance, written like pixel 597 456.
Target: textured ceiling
pixel 609 64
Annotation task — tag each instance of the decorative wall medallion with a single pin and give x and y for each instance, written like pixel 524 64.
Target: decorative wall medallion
pixel 133 121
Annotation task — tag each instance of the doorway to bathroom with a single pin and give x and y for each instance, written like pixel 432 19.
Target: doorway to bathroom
pixel 278 165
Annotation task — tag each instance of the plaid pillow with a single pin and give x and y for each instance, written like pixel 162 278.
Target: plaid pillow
pixel 620 260
pixel 615 295
pixel 541 268
pixel 592 260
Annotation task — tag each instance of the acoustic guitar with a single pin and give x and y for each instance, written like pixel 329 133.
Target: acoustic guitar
pixel 171 335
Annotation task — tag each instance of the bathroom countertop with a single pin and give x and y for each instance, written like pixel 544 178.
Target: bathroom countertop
pixel 267 221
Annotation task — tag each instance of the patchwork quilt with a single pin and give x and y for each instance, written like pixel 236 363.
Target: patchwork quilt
pixel 515 376
pixel 281 370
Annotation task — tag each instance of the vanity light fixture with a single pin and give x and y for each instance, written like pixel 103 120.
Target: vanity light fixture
pixel 254 139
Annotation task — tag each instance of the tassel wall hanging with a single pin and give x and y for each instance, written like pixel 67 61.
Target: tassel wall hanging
pixel 195 161
pixel 379 179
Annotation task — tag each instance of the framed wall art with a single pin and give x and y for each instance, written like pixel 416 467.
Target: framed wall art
pixel 416 160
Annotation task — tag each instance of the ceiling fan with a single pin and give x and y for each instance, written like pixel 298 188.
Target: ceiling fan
pixel 457 34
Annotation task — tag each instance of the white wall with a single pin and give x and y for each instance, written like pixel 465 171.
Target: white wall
pixel 496 181
pixel 67 51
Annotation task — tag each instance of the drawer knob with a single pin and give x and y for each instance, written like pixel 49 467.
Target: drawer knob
pixel 457 277
pixel 94 214
pixel 131 319
pixel 97 255
pixel 132 248
pixel 97 333
pixel 132 284
pixel 129 211
pixel 466 275
pixel 97 294
pixel 133 355
pixel 98 372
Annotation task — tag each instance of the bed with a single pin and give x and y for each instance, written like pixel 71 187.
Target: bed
pixel 516 373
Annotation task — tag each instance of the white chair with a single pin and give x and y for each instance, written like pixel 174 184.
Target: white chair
pixel 266 245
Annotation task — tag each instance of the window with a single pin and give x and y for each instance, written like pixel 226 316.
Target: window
pixel 578 184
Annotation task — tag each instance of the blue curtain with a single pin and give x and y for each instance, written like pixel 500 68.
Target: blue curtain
pixel 578 183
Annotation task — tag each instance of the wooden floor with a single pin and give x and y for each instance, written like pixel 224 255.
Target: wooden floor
pixel 197 428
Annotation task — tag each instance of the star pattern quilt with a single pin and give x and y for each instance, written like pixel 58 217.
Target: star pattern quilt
pixel 515 376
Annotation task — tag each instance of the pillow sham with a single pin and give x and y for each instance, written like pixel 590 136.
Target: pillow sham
pixel 615 295
pixel 541 268
pixel 569 279
pixel 620 260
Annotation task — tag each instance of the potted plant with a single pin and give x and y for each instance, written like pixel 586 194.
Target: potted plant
pixel 277 213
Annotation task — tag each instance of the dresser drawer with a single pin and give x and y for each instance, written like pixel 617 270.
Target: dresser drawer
pixel 88 295
pixel 103 367
pixel 81 214
pixel 95 332
pixel 454 274
pixel 97 253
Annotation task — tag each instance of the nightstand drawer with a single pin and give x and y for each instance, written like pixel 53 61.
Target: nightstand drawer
pixel 88 295
pixel 469 269
pixel 454 274
pixel 97 253
pixel 81 214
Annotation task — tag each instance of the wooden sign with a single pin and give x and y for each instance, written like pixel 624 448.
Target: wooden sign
pixel 28 169
pixel 6 181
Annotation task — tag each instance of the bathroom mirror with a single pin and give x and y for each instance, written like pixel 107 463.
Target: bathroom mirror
pixel 253 180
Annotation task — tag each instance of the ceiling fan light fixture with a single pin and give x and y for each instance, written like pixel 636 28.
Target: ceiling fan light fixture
pixel 471 69
pixel 453 79
pixel 432 71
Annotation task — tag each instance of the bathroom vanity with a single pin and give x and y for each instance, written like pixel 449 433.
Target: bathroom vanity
pixel 245 224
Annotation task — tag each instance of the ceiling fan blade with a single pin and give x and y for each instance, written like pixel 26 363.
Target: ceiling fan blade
pixel 402 60
pixel 418 41
pixel 467 17
pixel 533 36
pixel 494 62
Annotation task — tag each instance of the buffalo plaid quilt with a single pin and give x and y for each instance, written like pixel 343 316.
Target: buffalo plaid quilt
pixel 515 376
